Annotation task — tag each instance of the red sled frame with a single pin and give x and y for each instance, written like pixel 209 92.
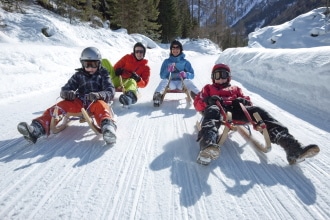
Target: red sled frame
pixel 168 90
pixel 243 128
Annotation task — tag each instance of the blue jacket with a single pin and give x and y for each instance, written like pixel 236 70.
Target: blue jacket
pixel 181 64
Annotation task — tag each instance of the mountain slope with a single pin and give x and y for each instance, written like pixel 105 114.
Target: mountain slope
pixel 151 172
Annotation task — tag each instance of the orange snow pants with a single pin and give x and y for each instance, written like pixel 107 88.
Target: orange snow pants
pixel 99 109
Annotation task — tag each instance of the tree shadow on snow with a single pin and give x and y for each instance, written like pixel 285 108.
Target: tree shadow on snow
pixel 180 156
pixel 246 174
pixel 63 144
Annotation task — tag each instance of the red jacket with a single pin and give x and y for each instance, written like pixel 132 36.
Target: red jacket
pixel 228 94
pixel 130 64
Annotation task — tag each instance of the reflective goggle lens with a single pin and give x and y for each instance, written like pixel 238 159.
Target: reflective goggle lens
pixel 139 51
pixel 93 63
pixel 220 74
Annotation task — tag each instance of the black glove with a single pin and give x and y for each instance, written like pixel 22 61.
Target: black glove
pixel 119 71
pixel 136 77
pixel 241 100
pixel 68 95
pixel 212 100
pixel 92 96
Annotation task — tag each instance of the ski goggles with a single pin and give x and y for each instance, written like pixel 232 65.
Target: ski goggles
pixel 175 47
pixel 90 63
pixel 139 51
pixel 220 74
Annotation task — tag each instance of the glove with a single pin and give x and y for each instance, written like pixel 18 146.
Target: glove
pixel 68 95
pixel 212 100
pixel 171 67
pixel 136 77
pixel 119 71
pixel 183 74
pixel 92 96
pixel 241 100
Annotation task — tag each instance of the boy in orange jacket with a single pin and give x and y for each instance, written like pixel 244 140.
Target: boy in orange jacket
pixel 135 73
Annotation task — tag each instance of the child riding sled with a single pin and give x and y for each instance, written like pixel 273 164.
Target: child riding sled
pixel 229 97
pixel 89 87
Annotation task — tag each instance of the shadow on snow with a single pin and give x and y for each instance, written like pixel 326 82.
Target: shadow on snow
pixel 180 156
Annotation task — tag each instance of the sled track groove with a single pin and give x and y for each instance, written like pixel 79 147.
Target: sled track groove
pixel 31 185
pixel 132 166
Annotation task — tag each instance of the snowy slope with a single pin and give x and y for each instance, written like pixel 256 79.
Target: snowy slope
pixel 151 172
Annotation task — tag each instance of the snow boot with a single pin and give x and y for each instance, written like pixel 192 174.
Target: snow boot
pixel 295 152
pixel 108 128
pixel 128 98
pixel 31 132
pixel 209 148
pixel 157 99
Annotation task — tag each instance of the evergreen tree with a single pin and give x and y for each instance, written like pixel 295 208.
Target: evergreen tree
pixel 122 13
pixel 91 9
pixel 137 16
pixel 107 8
pixel 10 5
pixel 185 18
pixel 152 26
pixel 168 18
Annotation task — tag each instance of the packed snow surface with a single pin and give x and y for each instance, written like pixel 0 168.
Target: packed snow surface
pixel 151 172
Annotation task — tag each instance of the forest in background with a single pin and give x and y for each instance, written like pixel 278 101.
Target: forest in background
pixel 165 20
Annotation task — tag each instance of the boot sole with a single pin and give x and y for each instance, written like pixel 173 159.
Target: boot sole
pixel 308 154
pixel 109 137
pixel 23 129
pixel 212 152
pixel 208 154
pixel 124 101
pixel 156 103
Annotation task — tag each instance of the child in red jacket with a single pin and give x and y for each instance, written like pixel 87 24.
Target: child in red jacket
pixel 135 72
pixel 229 97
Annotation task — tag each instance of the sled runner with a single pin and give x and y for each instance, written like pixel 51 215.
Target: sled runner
pixel 243 129
pixel 121 88
pixel 60 122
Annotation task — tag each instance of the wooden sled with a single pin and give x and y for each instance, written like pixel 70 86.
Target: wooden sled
pixel 243 129
pixel 59 122
pixel 168 90
pixel 121 88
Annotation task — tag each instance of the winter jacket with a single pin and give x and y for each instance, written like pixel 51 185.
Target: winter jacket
pixel 227 92
pixel 85 83
pixel 181 64
pixel 130 64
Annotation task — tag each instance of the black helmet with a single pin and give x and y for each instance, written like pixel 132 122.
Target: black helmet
pixel 176 42
pixel 139 44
